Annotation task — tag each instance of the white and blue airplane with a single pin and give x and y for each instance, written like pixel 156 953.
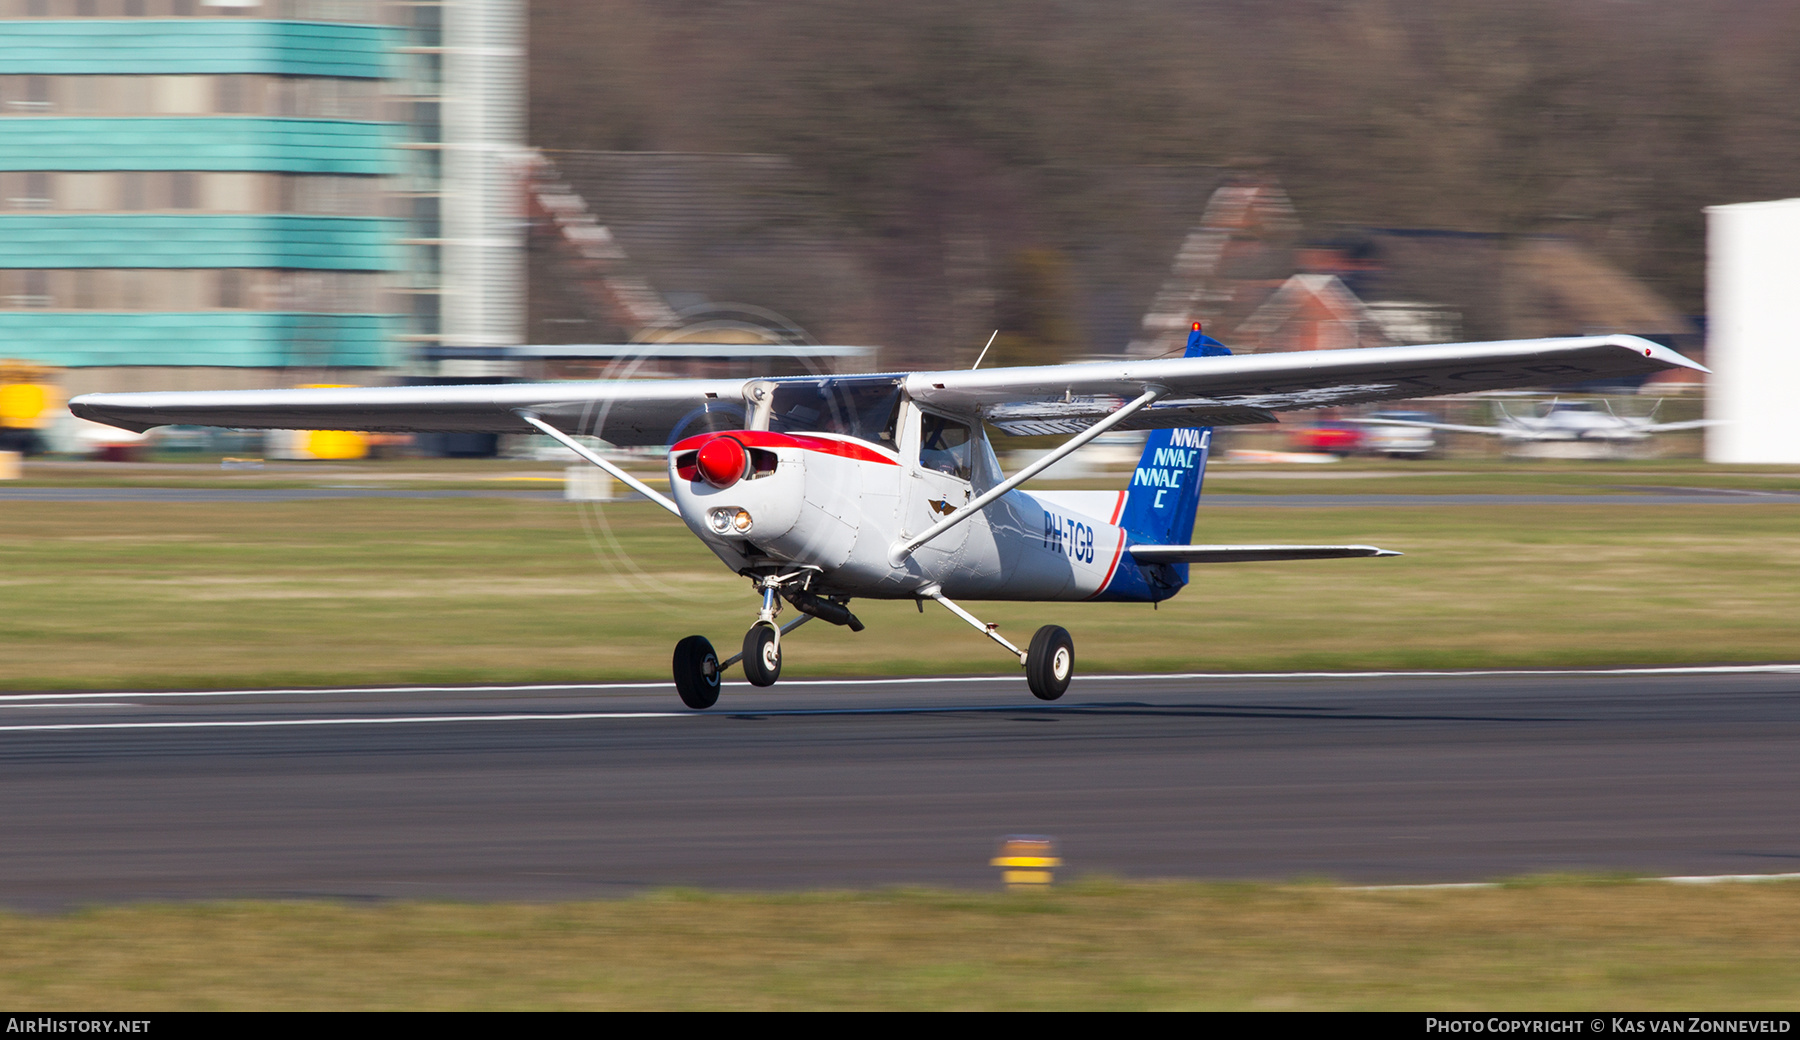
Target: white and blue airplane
pixel 821 489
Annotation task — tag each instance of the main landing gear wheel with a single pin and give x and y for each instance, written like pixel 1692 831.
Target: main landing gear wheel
pixel 697 673
pixel 762 655
pixel 1050 662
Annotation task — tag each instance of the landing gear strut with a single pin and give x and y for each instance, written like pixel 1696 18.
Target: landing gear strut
pixel 1049 664
pixel 762 644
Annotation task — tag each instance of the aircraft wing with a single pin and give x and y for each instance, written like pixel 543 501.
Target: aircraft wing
pixel 1496 431
pixel 1250 553
pixel 625 412
pixel 1248 387
pixel 1207 391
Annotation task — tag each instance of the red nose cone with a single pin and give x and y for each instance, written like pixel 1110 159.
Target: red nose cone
pixel 722 461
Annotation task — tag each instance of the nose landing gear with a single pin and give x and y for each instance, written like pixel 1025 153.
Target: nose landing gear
pixel 762 644
pixel 698 668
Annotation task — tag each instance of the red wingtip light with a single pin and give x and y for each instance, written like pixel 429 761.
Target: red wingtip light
pixel 1196 326
pixel 722 461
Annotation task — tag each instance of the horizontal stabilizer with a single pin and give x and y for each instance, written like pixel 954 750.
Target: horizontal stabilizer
pixel 1250 553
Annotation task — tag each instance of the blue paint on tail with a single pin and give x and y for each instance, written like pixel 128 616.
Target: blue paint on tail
pixel 1164 496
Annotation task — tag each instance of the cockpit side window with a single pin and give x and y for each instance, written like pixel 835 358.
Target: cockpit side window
pixel 867 409
pixel 944 445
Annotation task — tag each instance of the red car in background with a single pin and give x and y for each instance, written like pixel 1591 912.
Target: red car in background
pixel 1328 438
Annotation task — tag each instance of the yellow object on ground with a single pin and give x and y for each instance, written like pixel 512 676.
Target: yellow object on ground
pixel 27 393
pixel 11 465
pixel 23 404
pixel 1028 860
pixel 336 444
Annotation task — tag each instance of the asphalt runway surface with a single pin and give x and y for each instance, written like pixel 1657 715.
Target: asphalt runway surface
pixel 560 792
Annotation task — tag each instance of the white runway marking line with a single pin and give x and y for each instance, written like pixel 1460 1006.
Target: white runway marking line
pixel 572 716
pixel 397 720
pixel 85 704
pixel 1724 669
pixel 1687 879
pixel 325 691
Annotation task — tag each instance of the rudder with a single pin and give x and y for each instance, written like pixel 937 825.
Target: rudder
pixel 1164 493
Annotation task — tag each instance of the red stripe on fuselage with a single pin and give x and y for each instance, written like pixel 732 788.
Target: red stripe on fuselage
pixel 849 449
pixel 1118 555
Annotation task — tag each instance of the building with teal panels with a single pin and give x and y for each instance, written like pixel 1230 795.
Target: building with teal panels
pixel 221 193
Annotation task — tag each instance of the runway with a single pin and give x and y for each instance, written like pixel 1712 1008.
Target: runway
pixel 558 792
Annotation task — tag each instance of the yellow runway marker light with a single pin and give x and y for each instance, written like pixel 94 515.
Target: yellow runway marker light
pixel 1026 861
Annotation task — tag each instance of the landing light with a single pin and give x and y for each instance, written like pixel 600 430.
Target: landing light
pixel 728 520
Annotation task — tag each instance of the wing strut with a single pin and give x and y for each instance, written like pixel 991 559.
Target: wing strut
pixel 581 449
pixel 899 551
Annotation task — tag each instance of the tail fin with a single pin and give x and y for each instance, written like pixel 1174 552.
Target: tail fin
pixel 1165 490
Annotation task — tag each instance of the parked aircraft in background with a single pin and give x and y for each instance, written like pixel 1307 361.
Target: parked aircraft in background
pixel 1400 442
pixel 1561 421
pixel 818 489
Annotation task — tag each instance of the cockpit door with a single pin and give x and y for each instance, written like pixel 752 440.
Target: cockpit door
pixel 940 455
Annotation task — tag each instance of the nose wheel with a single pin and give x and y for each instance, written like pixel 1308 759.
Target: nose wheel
pixel 762 654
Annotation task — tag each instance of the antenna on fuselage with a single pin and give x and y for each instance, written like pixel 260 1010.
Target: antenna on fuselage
pixel 984 351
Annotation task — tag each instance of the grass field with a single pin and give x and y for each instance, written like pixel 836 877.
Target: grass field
pixel 1590 945
pixel 495 589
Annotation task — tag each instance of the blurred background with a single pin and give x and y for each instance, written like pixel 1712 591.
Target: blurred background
pixel 200 194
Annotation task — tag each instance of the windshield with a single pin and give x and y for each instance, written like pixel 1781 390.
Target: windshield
pixel 862 408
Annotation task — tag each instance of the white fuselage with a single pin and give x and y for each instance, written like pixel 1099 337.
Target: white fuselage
pixel 838 504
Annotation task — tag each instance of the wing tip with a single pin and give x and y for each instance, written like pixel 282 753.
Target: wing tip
pixel 93 408
pixel 1657 352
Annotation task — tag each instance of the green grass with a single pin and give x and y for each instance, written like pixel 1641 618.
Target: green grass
pixel 392 590
pixel 1549 945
